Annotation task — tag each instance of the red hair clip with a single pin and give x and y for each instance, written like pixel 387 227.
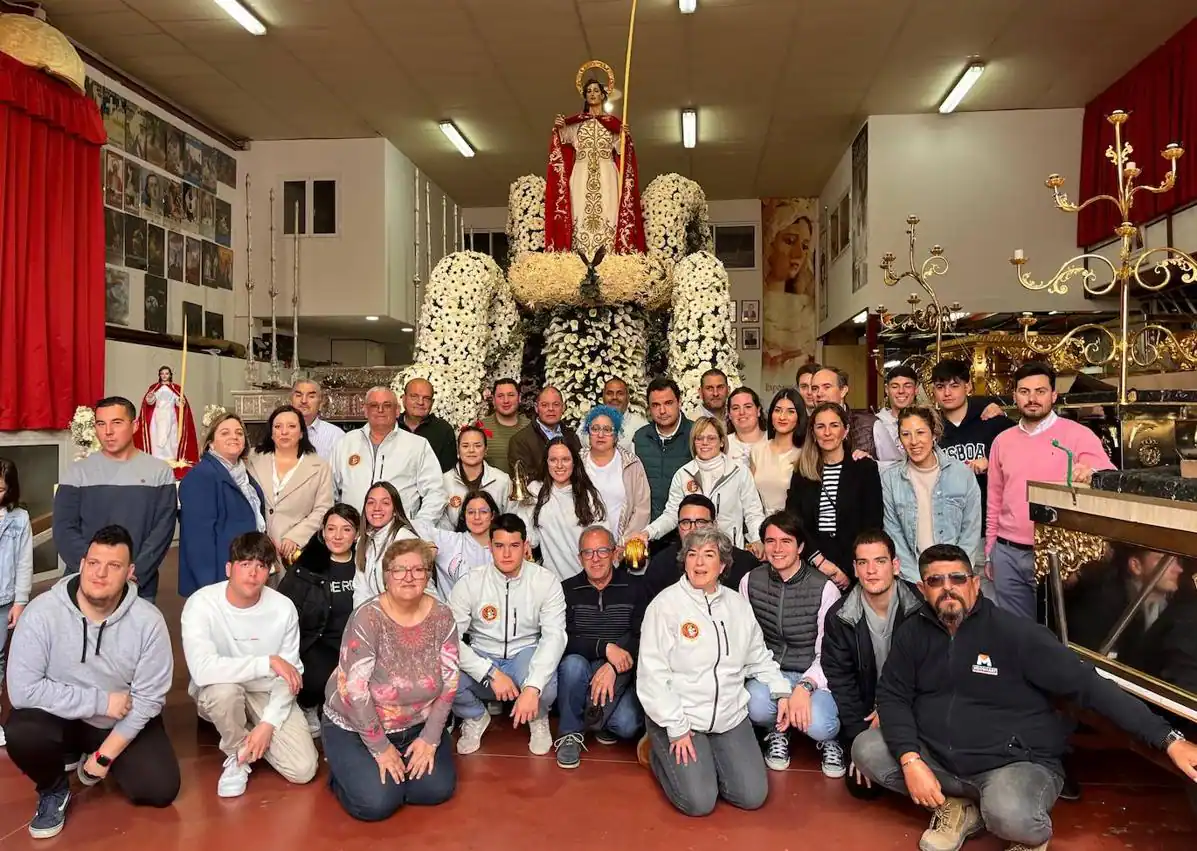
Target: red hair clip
pixel 478 425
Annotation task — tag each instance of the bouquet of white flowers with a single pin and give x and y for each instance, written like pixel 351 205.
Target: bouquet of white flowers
pixel 211 412
pixel 83 431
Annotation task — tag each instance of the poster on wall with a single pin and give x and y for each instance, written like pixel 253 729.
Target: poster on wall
pixel 155 304
pixel 155 250
pixel 789 226
pixel 116 296
pixel 824 262
pixel 174 256
pixel 194 261
pixel 860 209
pixel 114 236
pixel 193 319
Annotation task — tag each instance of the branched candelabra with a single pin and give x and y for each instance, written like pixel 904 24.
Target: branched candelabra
pixel 1145 345
pixel 933 317
pixel 251 367
pixel 274 378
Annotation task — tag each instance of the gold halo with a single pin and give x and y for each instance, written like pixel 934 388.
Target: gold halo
pixel 580 80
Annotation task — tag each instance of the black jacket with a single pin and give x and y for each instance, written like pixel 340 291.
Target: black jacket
pixel 440 437
pixel 982 699
pixel 306 584
pixel 973 438
pixel 594 619
pixel 848 660
pixel 858 507
pixel 663 569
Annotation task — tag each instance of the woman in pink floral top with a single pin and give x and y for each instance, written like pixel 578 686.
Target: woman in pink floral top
pixel 384 729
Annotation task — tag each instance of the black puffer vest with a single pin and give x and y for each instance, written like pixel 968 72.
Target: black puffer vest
pixel 788 613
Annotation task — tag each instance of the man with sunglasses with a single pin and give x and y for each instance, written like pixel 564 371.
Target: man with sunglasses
pixel 603 610
pixel 695 511
pixel 968 726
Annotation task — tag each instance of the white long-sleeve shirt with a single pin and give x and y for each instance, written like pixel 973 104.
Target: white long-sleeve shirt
pixel 558 531
pixel 457 553
pixel 368 582
pixel 227 645
pixel 737 503
pixel 404 459
pixel 494 481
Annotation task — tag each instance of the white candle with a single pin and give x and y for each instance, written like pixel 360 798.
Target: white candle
pixel 1019 255
pixel 1130 166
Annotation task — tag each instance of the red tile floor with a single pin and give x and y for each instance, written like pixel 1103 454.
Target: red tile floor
pixel 509 799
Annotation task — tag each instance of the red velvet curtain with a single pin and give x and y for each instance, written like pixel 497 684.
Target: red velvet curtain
pixel 51 250
pixel 1160 93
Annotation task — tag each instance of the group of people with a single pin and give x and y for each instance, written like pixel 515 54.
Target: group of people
pixel 808 568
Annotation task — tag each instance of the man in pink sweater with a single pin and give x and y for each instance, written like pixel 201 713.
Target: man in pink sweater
pixel 1020 455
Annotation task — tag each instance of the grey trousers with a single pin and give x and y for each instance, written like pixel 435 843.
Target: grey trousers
pixel 1014 580
pixel 1016 800
pixel 729 766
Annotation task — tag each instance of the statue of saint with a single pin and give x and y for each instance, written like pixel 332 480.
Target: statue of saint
pixel 167 426
pixel 585 207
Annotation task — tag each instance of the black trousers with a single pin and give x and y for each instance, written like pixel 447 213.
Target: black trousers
pixel 39 744
pixel 319 662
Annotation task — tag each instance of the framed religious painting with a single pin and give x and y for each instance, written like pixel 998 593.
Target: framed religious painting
pixel 194 262
pixel 174 256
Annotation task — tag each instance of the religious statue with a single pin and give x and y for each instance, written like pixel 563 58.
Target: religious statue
pixel 167 426
pixel 585 209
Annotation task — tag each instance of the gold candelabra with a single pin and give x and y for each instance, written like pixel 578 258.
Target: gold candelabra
pixel 933 317
pixel 1145 345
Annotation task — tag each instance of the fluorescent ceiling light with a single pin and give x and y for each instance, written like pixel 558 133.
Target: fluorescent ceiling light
pixel 687 7
pixel 408 330
pixel 689 127
pixel 890 364
pixel 371 318
pixel 861 318
pixel 242 16
pixel 967 80
pixel 454 135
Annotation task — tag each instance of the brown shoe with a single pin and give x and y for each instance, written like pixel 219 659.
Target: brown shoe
pixel 643 749
pixel 1018 846
pixel 951 824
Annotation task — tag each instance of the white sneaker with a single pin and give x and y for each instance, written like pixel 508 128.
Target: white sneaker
pixel 540 742
pixel 312 716
pixel 73 764
pixel 3 739
pixel 833 759
pixel 472 729
pixel 233 779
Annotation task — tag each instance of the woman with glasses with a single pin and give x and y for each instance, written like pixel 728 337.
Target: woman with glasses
pixel 465 548
pixel 320 584
pixel 617 475
pixel 563 503
pixel 747 419
pixel 385 733
pixel 472 473
pixel 835 495
pixel 725 482
pixel 930 498
pixel 772 461
pixel 383 523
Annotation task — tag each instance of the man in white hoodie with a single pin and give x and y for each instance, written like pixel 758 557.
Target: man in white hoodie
pixel 241 642
pixel 514 615
pixel 380 451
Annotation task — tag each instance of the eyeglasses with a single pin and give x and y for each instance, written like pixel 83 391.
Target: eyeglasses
pixel 380 406
pixel 413 572
pixel 477 512
pixel 596 552
pixel 693 524
pixel 937 580
pixel 602 430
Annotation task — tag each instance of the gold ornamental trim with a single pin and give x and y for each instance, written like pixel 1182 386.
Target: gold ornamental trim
pixel 1073 550
pixel 580 80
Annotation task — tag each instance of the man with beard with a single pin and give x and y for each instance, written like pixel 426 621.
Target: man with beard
pixel 713 391
pixel 307 396
pixel 968 726
pixel 1035 450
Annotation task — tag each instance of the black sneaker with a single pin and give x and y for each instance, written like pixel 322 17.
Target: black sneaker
pixel 569 750
pixel 51 812
pixel 605 737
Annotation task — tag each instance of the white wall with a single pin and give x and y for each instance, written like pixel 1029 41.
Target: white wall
pixel 129 369
pixel 976 182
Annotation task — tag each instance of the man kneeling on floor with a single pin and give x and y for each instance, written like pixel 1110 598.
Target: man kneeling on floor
pixel 88 674
pixel 968 728
pixel 513 613
pixel 241 642
pixel 604 607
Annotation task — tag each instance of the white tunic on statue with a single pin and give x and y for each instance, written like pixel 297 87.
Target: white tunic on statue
pixel 593 185
pixel 164 424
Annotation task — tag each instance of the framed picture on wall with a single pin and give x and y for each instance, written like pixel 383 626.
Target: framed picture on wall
pixel 750 338
pixel 750 311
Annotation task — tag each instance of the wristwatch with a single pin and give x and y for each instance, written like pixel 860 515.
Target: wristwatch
pixel 808 685
pixel 102 760
pixel 1172 738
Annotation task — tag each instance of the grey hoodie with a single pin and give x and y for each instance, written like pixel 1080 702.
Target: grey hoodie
pixel 67 666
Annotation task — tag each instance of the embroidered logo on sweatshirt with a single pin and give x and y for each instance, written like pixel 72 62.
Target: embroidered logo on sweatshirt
pixel 354 460
pixel 455 502
pixel 984 666
pixel 489 613
pixel 690 630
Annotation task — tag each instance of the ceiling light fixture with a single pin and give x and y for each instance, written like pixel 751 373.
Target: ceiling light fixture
pixel 371 318
pixel 242 16
pixel 687 7
pixel 689 128
pixel 967 80
pixel 454 135
pixel 890 364
pixel 861 318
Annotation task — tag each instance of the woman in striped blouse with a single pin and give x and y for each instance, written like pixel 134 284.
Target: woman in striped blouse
pixel 835 495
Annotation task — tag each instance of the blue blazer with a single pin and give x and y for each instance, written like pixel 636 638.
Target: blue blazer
pixel 212 511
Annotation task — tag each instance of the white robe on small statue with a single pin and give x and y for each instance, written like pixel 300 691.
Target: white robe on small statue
pixel 164 425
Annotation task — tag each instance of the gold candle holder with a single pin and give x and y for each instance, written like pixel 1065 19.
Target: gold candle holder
pixel 933 317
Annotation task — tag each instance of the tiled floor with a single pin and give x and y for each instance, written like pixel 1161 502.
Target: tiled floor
pixel 509 799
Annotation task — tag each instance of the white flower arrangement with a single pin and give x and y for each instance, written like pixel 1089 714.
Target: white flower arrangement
pixel 525 214
pixel 83 432
pixel 469 328
pixel 585 348
pixel 676 218
pixel 211 412
pixel 700 333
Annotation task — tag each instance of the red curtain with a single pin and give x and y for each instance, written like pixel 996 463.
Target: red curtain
pixel 1160 93
pixel 51 250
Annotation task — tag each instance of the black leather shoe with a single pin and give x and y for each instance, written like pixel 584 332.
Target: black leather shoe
pixel 1071 790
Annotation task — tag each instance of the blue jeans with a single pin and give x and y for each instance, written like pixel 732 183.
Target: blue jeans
pixel 353 774
pixel 470 693
pixel 824 715
pixel 622 717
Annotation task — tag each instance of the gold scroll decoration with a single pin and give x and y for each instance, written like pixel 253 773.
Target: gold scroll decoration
pixel 1072 549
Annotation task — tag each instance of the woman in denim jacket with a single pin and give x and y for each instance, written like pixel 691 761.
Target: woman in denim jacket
pixel 16 559
pixel 930 498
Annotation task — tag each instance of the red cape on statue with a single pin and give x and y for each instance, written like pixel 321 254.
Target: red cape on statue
pixel 558 209
pixel 188 446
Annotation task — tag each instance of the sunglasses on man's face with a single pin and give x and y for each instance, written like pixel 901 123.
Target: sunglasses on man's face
pixel 938 580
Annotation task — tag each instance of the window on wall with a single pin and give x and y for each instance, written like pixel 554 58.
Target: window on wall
pixel 735 246
pixel 310 207
pixel 490 242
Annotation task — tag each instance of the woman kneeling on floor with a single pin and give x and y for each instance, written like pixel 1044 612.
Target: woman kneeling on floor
pixel 699 644
pixel 384 730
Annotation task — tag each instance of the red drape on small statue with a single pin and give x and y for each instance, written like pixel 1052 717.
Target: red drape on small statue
pixel 1160 93
pixel 51 250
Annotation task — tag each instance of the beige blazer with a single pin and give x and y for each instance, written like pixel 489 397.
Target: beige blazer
pixel 295 514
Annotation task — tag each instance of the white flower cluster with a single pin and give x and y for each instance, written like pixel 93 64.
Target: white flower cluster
pixel 700 334
pixel 468 324
pixel 676 219
pixel 525 214
pixel 211 412
pixel 83 431
pixel 583 348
